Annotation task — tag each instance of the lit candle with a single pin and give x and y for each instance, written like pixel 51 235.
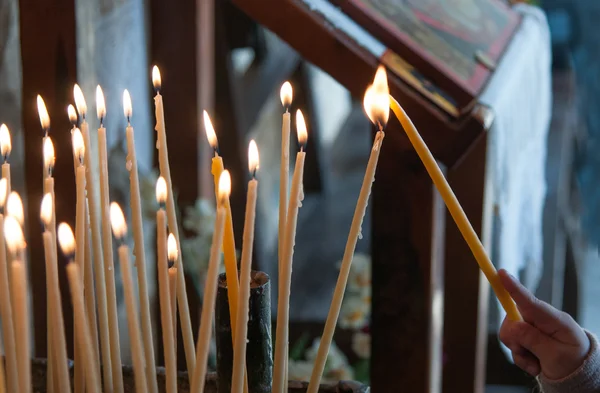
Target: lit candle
pixel 172 245
pixel 163 286
pixel 165 171
pixel 231 272
pixel 5 303
pixel 49 160
pixel 283 306
pixel 210 287
pixel 15 241
pixel 239 352
pixel 138 239
pixel 107 343
pixel 456 211
pixel 59 346
pixel 119 228
pixel 112 319
pixel 286 101
pixel 84 337
pixel 376 105
pixel 44 121
pixel 5 149
pixel 79 152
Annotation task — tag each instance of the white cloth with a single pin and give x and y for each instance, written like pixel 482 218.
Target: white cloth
pixel 521 96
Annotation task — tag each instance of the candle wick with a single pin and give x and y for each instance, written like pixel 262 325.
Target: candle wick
pixel 287 109
pixel 217 150
pixel 157 90
pixel 128 121
pixel 254 174
pixel 101 121
pixel 5 157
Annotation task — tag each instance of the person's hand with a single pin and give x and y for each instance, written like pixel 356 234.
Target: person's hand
pixel 547 340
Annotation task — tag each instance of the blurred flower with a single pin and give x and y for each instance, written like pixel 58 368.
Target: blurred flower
pixel 361 345
pixel 354 313
pixel 335 375
pixel 335 359
pixel 299 370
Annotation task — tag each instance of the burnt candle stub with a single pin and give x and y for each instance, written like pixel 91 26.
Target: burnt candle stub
pixel 259 352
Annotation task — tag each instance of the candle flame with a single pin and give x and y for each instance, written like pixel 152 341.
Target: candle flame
pixel 127 107
pixel 14 207
pixel 210 131
pixel 46 210
pixel 66 240
pixel 286 94
pixel 5 143
pixel 3 191
pixel 172 251
pixel 72 115
pixel 161 190
pixel 79 100
pixel 13 233
pixel 78 144
pixel 43 112
pixel 301 128
pixel 253 159
pixel 156 80
pixel 49 158
pixel 377 99
pixel 100 104
pixel 224 185
pixel 117 221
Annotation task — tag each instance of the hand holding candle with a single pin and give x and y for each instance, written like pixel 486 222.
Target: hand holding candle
pixel 84 338
pixel 119 228
pixel 15 241
pixel 456 211
pixel 210 287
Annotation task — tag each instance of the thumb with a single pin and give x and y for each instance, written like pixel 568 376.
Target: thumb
pixel 538 313
pixel 530 338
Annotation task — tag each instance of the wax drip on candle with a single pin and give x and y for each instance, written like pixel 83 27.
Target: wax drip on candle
pixel 286 94
pixel 210 133
pixel 80 101
pixel 156 79
pixel 49 157
pixel 43 113
pixel 100 105
pixel 66 241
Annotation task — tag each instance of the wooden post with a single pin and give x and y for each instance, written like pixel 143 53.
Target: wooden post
pixel 467 290
pixel 407 262
pixel 48 53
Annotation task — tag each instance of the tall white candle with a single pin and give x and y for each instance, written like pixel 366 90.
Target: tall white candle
pixel 103 248
pixel 84 338
pixel 119 228
pixel 15 242
pixel 165 171
pixel 163 284
pixel 55 305
pixel 286 101
pixel 210 288
pixel 376 105
pixel 283 306
pixel 138 238
pixel 6 313
pixel 241 333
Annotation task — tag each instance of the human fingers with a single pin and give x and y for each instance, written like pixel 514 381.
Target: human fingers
pixel 526 361
pixel 519 334
pixel 536 312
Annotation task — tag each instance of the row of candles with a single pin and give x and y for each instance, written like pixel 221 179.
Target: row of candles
pixel 93 291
